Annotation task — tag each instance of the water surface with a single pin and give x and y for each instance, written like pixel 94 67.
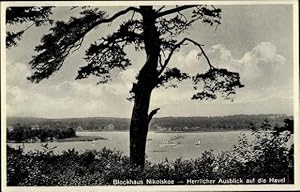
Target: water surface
pixel 159 145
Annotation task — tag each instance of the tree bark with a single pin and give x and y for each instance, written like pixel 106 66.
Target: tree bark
pixel 147 80
pixel 139 126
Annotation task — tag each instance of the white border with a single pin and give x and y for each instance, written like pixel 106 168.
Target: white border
pixel 244 187
pixel 3 99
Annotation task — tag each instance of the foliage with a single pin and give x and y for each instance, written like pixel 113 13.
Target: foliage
pixel 25 134
pixel 172 74
pixel 108 53
pixel 270 145
pixel 267 155
pixel 64 37
pixel 217 80
pixel 20 15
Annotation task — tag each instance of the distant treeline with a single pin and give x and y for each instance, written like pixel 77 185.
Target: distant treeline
pixel 89 123
pixel 21 133
pixel 222 123
pixel 225 123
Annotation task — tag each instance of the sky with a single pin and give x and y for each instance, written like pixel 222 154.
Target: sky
pixel 254 40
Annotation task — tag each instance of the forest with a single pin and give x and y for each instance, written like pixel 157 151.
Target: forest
pixel 221 123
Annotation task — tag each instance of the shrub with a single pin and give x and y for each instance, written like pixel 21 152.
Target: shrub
pixel 268 155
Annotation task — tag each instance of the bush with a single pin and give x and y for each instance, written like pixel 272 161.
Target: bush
pixel 268 155
pixel 28 134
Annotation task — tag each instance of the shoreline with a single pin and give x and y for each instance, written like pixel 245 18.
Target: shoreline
pixel 72 139
pixel 93 138
pixel 151 131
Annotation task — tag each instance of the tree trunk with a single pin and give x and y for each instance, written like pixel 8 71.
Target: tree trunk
pixel 147 80
pixel 139 126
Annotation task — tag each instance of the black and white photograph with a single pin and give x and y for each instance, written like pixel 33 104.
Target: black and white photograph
pixel 149 95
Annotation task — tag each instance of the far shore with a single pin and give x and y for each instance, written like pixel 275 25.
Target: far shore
pixel 72 139
pixel 81 138
pixel 154 131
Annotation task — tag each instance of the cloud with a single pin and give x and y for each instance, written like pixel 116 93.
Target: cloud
pixel 189 62
pixel 262 70
pixel 16 74
pixel 65 99
pixel 260 67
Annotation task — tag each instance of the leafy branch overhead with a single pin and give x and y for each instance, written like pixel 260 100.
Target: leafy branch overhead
pixel 172 74
pixel 217 81
pixel 23 15
pixel 57 45
pixel 108 53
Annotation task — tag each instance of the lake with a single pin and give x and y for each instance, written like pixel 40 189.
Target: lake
pixel 159 145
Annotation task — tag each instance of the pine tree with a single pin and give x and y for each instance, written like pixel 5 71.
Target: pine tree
pixel 156 32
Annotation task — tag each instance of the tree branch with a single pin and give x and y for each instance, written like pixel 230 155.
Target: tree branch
pixel 182 15
pixel 118 14
pixel 132 15
pixel 115 16
pixel 161 8
pixel 78 45
pixel 28 27
pixel 177 46
pixel 152 113
pixel 175 10
pixel 56 46
pixel 159 59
